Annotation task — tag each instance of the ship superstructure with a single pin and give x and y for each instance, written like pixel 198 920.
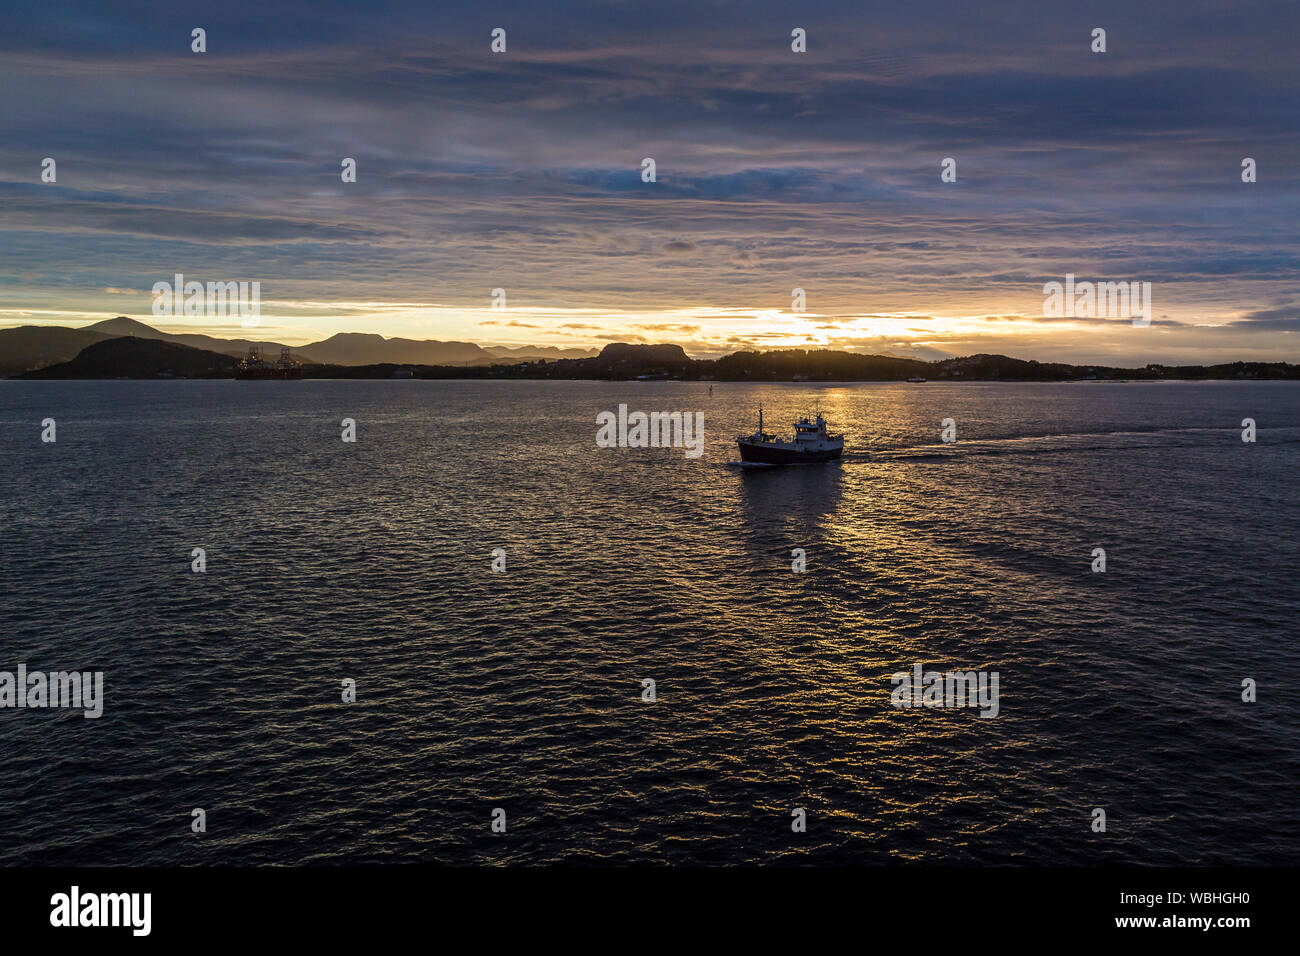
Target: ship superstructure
pixel 254 366
pixel 811 443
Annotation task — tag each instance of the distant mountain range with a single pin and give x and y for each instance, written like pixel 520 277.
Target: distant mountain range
pixel 129 357
pixel 138 357
pixel 32 347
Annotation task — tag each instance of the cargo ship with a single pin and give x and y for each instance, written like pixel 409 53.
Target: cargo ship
pixel 811 443
pixel 253 366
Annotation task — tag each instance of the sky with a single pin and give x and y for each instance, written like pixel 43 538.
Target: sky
pixel 774 170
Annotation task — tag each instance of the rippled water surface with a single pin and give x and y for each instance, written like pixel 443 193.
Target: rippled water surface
pixel 522 690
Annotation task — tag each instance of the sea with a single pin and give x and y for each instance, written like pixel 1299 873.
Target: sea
pixel 473 636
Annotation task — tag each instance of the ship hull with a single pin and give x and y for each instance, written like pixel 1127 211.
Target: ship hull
pixel 268 373
pixel 768 455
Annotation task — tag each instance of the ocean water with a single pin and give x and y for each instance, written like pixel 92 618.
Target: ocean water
pixel 522 690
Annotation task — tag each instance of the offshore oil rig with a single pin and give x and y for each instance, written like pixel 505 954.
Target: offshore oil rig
pixel 254 366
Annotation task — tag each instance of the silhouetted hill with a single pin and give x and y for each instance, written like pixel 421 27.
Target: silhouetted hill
pixel 36 346
pixel 151 356
pixel 822 365
pixel 132 357
pixel 367 348
pixel 520 353
pixel 32 346
pixel 122 326
pixel 624 352
pixel 984 366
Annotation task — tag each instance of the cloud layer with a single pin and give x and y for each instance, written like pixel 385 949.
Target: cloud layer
pixel 775 170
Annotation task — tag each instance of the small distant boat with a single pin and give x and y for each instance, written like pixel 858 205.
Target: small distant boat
pixel 916 378
pixel 811 443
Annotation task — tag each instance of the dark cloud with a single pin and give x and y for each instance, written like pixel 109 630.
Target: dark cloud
pixel 1284 319
pixel 679 247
